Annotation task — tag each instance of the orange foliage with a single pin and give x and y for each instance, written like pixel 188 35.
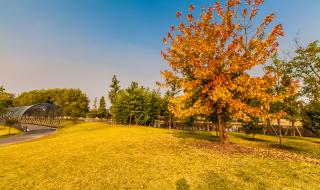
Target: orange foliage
pixel 210 57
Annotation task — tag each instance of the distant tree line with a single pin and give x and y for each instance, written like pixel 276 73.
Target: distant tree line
pixel 133 105
pixel 74 102
pixel 99 112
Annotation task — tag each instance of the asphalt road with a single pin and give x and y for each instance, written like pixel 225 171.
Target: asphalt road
pixel 34 133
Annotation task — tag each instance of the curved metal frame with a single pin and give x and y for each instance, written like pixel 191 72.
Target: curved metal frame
pixel 44 114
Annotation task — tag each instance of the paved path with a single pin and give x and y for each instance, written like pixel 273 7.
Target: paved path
pixel 34 133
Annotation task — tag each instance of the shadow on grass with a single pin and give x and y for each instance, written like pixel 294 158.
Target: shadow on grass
pixel 182 184
pixel 248 138
pixel 285 147
pixel 309 139
pixel 217 181
pixel 7 135
pixel 69 123
pixel 196 135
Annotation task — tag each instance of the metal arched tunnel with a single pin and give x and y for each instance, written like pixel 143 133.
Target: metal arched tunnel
pixel 36 120
pixel 30 117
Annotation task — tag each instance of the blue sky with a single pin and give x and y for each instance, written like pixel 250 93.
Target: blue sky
pixel 82 43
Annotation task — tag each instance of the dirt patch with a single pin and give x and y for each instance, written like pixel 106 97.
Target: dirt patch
pixel 278 151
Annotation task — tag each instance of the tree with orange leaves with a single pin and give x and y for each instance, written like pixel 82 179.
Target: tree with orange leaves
pixel 210 57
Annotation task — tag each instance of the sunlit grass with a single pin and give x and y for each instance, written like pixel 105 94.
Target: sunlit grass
pixel 67 123
pixel 100 156
pixel 4 131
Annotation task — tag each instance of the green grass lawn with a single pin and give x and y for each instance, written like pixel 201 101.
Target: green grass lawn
pixel 4 131
pixel 100 156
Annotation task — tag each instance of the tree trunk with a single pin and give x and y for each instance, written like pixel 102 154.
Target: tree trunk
pixel 268 127
pixel 279 131
pixel 222 136
pixel 293 128
pixel 170 121
pixel 217 131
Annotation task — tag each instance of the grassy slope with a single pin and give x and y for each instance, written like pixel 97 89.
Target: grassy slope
pixel 98 156
pixel 4 131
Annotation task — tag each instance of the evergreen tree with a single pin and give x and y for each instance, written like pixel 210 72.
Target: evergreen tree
pixel 120 108
pixel 114 89
pixel 112 94
pixel 102 111
pixel 95 107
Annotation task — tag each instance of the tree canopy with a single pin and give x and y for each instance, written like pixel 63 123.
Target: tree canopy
pixel 210 57
pixel 306 65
